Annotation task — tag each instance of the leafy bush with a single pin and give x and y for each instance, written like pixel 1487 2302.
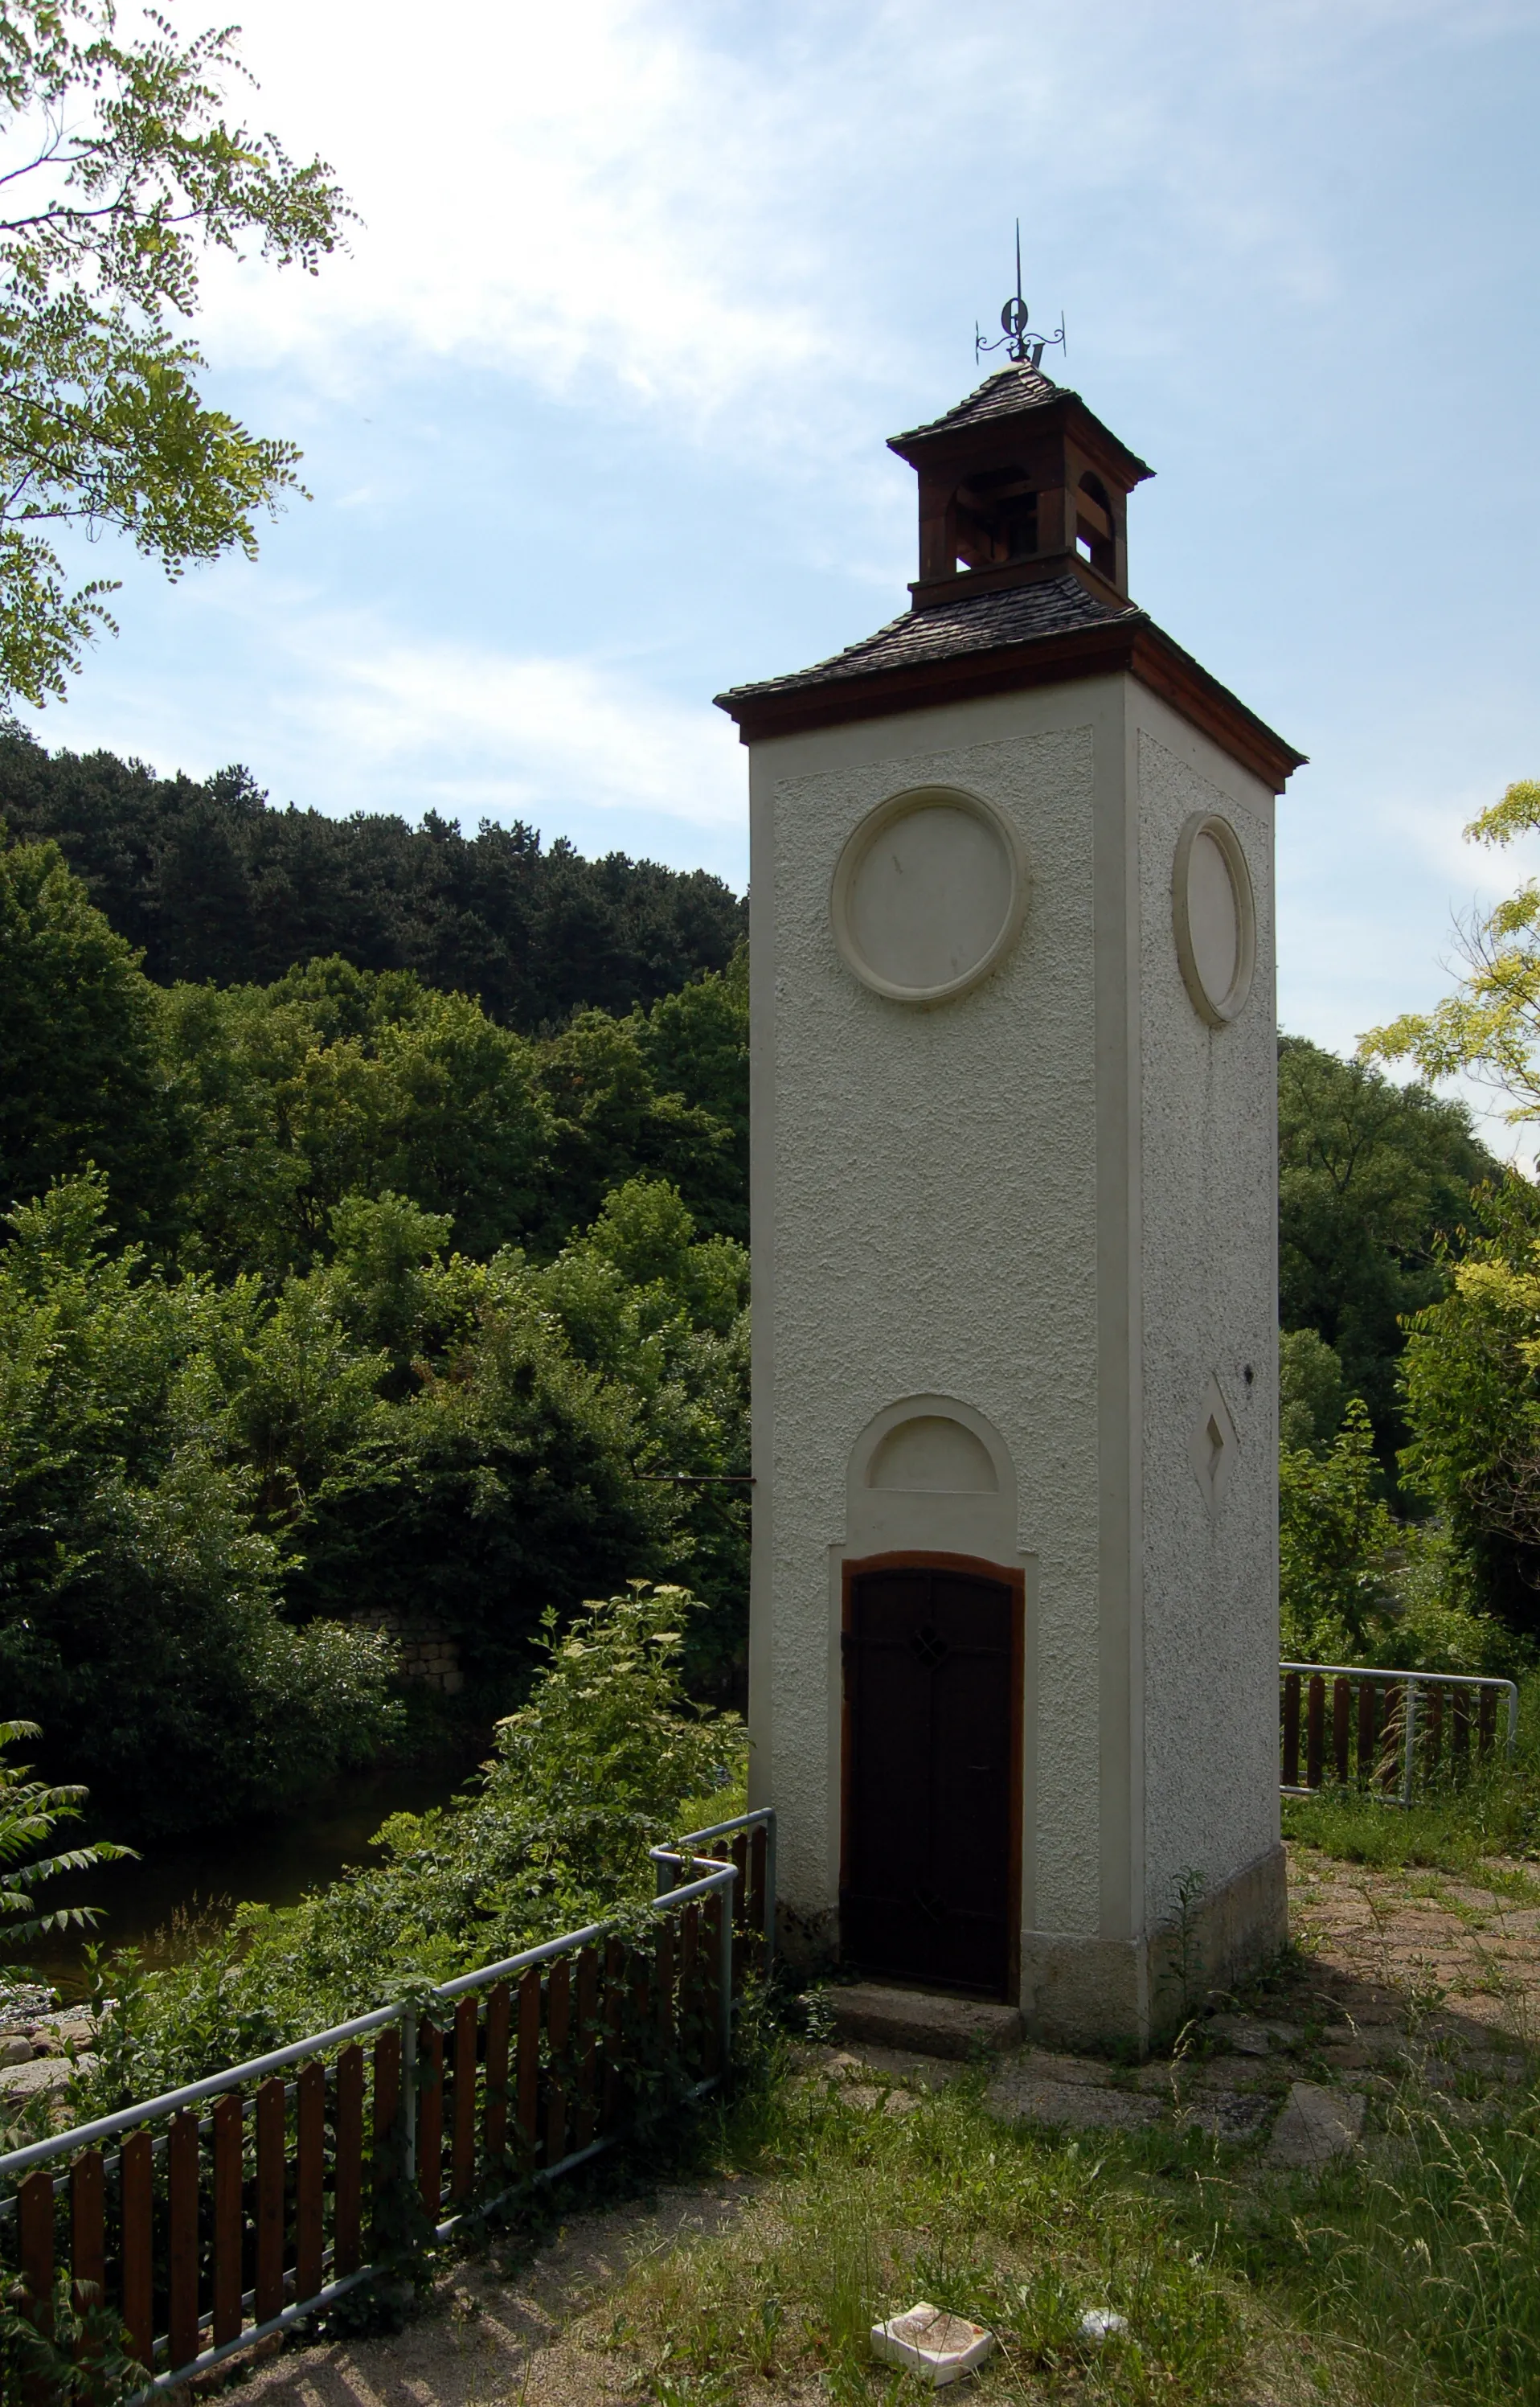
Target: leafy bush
pixel 601 1763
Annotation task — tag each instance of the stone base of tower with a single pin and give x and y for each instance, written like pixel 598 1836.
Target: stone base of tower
pixel 1097 1992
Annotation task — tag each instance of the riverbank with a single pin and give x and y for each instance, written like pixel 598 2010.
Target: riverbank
pixel 174 1894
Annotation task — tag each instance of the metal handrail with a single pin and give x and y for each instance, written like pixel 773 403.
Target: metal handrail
pixel 705 1876
pixel 1410 1681
pixel 213 2085
pixel 682 1852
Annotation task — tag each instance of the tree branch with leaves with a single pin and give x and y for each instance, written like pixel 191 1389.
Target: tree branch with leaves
pixel 1490 1028
pixel 118 173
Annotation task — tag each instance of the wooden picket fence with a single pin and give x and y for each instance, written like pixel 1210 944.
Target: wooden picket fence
pixel 207 2218
pixel 1387 1732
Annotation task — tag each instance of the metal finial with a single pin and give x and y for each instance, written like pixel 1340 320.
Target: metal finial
pixel 1019 341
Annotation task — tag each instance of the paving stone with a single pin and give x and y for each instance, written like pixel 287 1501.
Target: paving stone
pixel 1229 2115
pixel 935 2026
pixel 43 2073
pixel 1088 2072
pixel 1240 2034
pixel 1315 2126
pixel 1016 2096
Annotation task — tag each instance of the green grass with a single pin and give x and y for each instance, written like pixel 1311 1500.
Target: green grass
pixel 1457 1832
pixel 1408 2277
pixel 863 2213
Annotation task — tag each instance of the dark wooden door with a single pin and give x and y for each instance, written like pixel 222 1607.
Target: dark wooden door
pixel 930 1669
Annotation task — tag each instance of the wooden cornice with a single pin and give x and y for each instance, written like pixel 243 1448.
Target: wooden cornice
pixel 1131 644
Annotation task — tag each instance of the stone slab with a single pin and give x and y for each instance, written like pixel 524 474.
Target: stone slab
pixel 1315 2126
pixel 929 2024
pixel 1017 2095
pixel 1232 2115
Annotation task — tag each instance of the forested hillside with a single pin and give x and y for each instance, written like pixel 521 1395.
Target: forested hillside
pixel 334 1297
pixel 210 881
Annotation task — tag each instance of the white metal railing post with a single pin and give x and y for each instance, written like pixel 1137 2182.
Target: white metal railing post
pixel 770 1890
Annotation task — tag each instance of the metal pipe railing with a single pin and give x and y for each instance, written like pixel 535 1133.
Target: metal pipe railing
pixel 571 2072
pixel 1410 1682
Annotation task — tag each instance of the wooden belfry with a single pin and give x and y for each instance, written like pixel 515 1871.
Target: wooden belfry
pixel 1015 1649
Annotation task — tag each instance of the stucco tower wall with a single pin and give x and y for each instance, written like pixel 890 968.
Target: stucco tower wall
pixel 1207 1213
pixel 989 1201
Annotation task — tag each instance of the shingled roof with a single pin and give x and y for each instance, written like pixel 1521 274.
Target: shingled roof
pixel 975 623
pixel 1001 395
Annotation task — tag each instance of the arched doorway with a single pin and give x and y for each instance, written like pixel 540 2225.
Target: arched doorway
pixel 930 1869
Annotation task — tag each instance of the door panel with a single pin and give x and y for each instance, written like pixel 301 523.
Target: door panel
pixel 929 1668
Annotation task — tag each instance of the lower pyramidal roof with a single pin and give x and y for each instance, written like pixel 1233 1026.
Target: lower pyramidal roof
pixel 1000 641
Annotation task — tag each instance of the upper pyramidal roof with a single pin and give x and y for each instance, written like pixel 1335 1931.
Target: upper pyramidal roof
pixel 1023 580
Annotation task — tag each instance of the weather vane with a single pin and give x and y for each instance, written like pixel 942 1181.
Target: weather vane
pixel 1018 342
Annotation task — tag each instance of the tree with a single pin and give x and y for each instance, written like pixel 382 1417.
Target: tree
pixel 1490 1027
pixel 128 172
pixel 79 1037
pixel 215 883
pixel 1374 1182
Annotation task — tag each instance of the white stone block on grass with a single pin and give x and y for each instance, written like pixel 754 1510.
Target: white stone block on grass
pixel 939 2347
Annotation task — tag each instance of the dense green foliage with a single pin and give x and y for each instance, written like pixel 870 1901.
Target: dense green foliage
pixel 1375 1181
pixel 605 1758
pixel 124 171
pixel 212 883
pixel 331 1300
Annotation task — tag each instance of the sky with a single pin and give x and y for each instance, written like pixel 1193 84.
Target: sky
pixel 594 412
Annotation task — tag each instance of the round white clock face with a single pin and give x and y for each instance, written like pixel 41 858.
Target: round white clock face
pixel 928 894
pixel 1215 916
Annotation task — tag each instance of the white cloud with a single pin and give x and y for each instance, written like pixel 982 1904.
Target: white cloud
pixel 492 732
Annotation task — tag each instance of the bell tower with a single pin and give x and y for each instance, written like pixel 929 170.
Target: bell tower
pixel 1014 1653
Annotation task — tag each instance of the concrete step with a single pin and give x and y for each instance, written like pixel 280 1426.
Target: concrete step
pixel 922 2020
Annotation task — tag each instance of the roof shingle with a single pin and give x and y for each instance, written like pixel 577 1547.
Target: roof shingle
pixel 975 623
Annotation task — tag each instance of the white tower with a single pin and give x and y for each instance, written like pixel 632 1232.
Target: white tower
pixel 1013 1664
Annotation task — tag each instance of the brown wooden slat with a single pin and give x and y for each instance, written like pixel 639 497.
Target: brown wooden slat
pixel 386 2106
pixel 711 1937
pixel 88 2232
pixel 499 2009
pixel 136 2190
pixel 182 2238
pixel 430 2119
pixel 1487 1718
pixel 463 2145
pixel 1315 1730
pixel 587 2048
pixel 613 2014
pixel 228 2226
pixel 758 1852
pixel 663 1983
pixel 1367 1699
pixel 1291 1730
pixel 270 2215
pixel 309 2179
pixel 347 2193
pixel 559 2017
pixel 1342 1711
pixel 741 1949
pixel 34 2244
pixel 528 2062
pixel 1459 1730
pixel 689 1985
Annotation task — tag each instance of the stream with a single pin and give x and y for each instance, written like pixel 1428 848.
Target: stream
pixel 151 1904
